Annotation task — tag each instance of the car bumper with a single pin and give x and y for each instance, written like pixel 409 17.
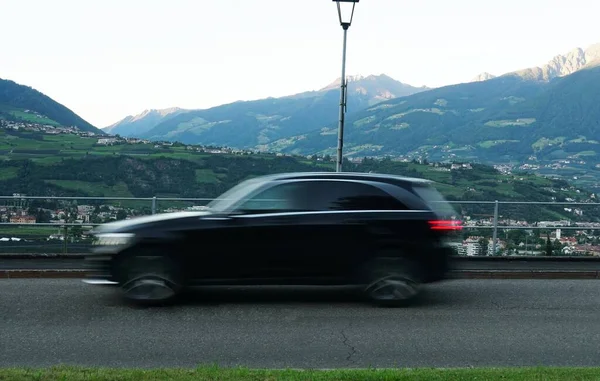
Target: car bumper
pixel 98 267
pixel 100 282
pixel 439 264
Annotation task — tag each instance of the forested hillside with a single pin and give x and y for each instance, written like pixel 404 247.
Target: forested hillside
pixel 22 103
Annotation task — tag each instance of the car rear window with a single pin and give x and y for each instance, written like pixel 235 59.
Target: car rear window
pixel 349 195
pixel 434 200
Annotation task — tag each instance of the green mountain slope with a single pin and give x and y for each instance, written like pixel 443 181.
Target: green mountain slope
pixel 22 103
pixel 48 165
pixel 255 123
pixel 503 119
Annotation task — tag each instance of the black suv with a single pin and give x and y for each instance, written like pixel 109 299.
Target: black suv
pixel 385 233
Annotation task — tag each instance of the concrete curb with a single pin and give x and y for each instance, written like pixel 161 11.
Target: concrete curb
pixel 11 256
pixel 41 274
pixel 461 274
pixel 523 274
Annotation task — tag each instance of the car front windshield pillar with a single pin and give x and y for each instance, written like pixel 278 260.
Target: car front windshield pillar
pixel 226 202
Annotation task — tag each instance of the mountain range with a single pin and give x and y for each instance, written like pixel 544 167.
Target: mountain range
pixel 562 65
pixel 24 104
pixel 559 66
pixel 140 124
pixel 548 112
pixel 504 119
pixel 255 123
pixel 536 115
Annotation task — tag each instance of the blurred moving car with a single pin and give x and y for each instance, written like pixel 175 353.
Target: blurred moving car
pixel 384 233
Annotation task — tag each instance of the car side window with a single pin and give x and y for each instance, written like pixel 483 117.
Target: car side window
pixel 348 195
pixel 279 198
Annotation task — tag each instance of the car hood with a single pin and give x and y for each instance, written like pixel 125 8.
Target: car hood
pixel 132 224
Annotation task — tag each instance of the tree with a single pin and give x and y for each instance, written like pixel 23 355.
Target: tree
pixel 483 244
pixel 42 216
pixel 557 247
pixel 121 215
pixel 517 236
pixel 76 232
pixel 510 248
pixel 453 177
pixel 549 248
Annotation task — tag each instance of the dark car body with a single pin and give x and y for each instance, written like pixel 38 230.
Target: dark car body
pixel 299 228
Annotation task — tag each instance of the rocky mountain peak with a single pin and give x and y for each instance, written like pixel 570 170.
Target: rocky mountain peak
pixel 563 64
pixel 483 77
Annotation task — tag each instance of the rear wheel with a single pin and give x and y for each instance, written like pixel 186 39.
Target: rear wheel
pixel 393 282
pixel 149 277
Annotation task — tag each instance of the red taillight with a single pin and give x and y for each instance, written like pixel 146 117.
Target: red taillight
pixel 445 225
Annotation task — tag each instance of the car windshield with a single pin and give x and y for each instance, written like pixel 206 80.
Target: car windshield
pixel 226 201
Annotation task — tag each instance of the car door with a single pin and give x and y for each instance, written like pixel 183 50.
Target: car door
pixel 344 227
pixel 305 231
pixel 272 231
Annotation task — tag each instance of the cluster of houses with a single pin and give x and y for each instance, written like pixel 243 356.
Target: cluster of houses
pixel 117 140
pixel 574 246
pixel 82 214
pixel 44 128
pixel 477 246
pixel 569 246
pixel 557 165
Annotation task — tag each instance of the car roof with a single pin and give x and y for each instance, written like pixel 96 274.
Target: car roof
pixel 381 177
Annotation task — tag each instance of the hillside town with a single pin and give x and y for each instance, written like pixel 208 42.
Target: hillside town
pixel 43 128
pixel 113 140
pixel 582 244
pixel 418 157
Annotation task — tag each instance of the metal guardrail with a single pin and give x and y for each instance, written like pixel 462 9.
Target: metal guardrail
pixel 495 225
pixel 154 200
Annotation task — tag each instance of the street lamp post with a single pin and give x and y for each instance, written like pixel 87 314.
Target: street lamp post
pixel 345 14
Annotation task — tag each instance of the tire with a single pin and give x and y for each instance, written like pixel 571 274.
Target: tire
pixel 149 277
pixel 393 282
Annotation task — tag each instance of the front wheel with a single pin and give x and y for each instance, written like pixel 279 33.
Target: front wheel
pixel 149 278
pixel 393 283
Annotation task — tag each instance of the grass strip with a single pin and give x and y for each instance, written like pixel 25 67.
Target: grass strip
pixel 243 374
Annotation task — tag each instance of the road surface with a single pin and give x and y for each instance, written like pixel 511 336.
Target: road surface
pixel 457 324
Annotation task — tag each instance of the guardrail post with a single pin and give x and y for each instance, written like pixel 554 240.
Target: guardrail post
pixel 154 205
pixel 495 235
pixel 65 236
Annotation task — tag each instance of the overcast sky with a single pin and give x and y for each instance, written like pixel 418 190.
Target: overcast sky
pixel 105 59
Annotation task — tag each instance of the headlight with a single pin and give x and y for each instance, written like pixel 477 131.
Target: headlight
pixel 113 239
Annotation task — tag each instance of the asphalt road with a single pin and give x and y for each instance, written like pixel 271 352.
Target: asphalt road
pixel 457 324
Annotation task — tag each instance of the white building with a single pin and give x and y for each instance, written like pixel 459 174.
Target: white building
pixel 473 248
pixel 107 141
